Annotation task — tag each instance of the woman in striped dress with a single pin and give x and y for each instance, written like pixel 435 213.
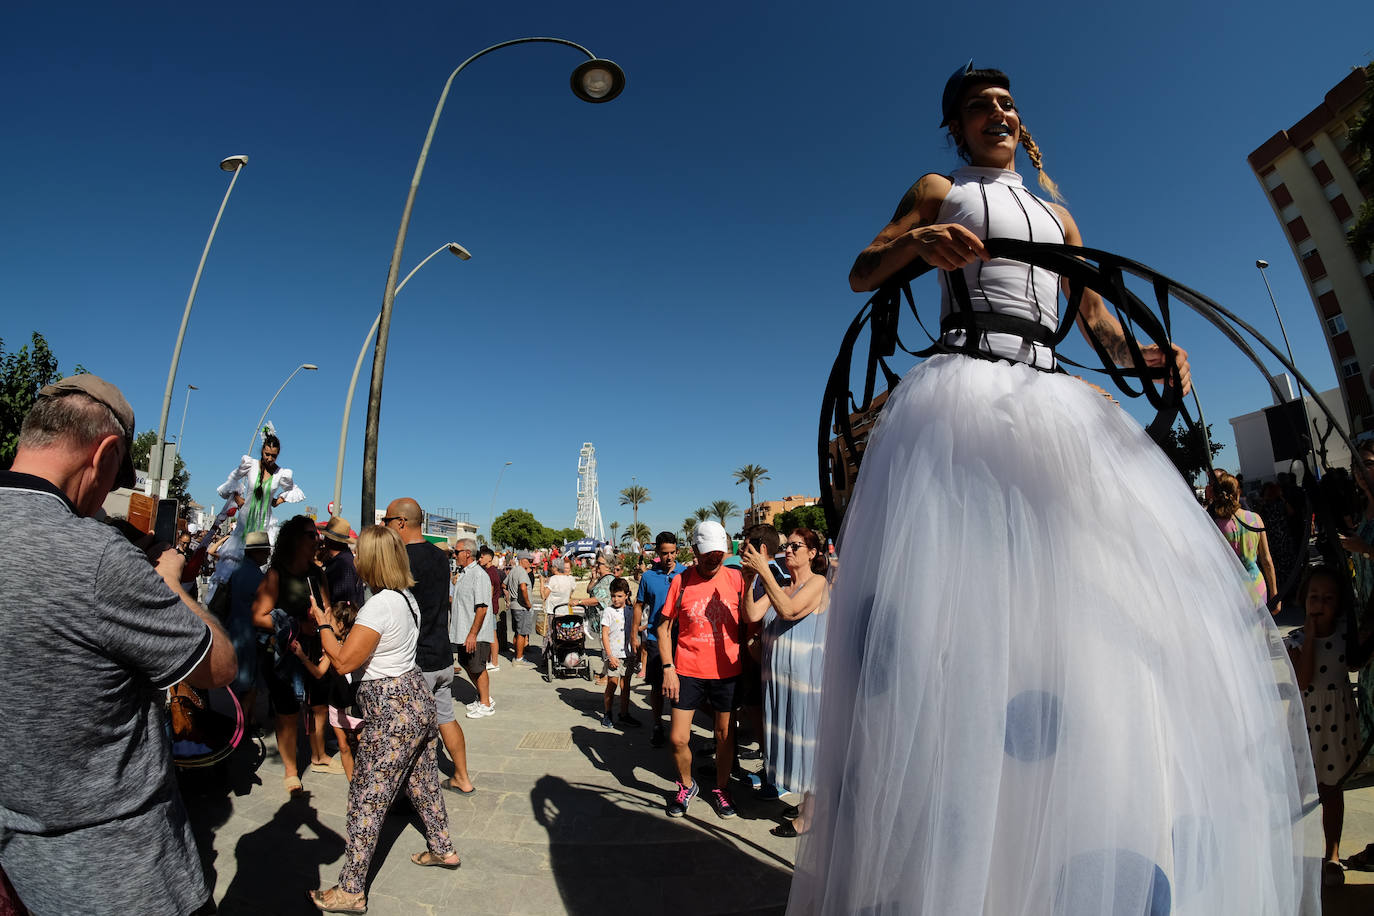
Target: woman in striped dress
pixel 793 656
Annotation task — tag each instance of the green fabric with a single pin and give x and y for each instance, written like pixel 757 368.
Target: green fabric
pixel 258 508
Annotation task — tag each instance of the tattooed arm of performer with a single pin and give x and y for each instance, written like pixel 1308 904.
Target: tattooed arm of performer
pixel 912 233
pixel 1096 321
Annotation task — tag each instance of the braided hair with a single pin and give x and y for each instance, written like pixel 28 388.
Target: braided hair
pixel 1033 153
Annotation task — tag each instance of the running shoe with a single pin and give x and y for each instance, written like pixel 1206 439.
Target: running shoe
pixel 678 806
pixel 724 804
pixel 491 666
pixel 607 721
pixel 482 712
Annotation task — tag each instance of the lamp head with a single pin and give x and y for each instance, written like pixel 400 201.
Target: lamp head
pixel 1261 263
pixel 233 163
pixel 311 366
pixel 462 253
pixel 597 80
pixel 193 387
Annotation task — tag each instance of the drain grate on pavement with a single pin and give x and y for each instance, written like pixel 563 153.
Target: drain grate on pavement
pixel 545 741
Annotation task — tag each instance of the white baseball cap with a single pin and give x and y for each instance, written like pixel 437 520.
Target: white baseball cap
pixel 710 537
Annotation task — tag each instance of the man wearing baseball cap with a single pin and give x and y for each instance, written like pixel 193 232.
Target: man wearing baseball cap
pixel 92 633
pixel 704 666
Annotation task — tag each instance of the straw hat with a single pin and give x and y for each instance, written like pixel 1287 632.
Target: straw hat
pixel 337 531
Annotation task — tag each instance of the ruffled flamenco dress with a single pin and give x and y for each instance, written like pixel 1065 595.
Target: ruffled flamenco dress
pixel 1047 688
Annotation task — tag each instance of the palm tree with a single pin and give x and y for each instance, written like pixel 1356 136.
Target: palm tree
pixel 633 496
pixel 614 526
pixel 702 514
pixel 751 474
pixel 638 532
pixel 689 527
pixel 723 509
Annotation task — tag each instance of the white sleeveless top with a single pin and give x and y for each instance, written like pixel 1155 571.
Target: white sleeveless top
pixel 994 203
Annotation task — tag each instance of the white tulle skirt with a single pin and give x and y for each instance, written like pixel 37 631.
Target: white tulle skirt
pixel 1046 689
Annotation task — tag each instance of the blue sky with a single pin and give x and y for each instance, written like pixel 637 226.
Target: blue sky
pixel 664 276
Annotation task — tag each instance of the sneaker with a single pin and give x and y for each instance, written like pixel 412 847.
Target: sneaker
pixel 748 753
pixel 606 721
pixel 724 804
pixel 629 721
pixel 658 738
pixel 482 712
pixel 475 703
pixel 678 806
pixel 492 666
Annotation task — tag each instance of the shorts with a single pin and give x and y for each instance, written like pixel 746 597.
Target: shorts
pixel 440 683
pixel 340 719
pixel 695 692
pixel 282 697
pixel 653 670
pixel 624 671
pixel 524 620
pixel 474 662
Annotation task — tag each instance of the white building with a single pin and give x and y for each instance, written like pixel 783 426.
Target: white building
pixel 1255 446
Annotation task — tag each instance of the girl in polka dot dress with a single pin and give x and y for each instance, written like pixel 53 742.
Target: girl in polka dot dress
pixel 1318 652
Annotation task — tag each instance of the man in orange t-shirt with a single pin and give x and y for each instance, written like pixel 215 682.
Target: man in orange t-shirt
pixel 705 602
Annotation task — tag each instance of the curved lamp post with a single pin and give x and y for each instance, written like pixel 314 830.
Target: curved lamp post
pixel 491 511
pixel 462 254
pixel 232 165
pixel 310 366
pixel 1261 265
pixel 595 80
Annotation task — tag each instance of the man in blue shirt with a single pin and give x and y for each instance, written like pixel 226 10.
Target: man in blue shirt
pixel 653 590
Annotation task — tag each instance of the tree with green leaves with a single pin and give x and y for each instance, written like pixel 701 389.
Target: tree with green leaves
pixel 1188 450
pixel 519 528
pixel 176 487
pixel 751 474
pixel 702 514
pixel 22 375
pixel 1362 143
pixel 614 526
pixel 812 517
pixel 723 509
pixel 634 496
pixel 689 528
pixel 567 535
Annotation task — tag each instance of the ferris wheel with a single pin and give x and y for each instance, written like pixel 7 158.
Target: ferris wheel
pixel 588 506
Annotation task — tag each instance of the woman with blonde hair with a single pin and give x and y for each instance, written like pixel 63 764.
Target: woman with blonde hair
pixel 1244 531
pixel 396 742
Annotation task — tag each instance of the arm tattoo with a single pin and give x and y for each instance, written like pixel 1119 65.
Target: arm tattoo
pixel 868 261
pixel 908 203
pixel 1108 333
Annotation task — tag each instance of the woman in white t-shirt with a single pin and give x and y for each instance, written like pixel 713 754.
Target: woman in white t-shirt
pixel 557 590
pixel 396 745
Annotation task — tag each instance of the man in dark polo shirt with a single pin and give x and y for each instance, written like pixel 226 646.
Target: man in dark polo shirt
pixel 429 569
pixel 91 636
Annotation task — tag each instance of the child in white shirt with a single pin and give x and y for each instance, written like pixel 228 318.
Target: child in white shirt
pixel 615 650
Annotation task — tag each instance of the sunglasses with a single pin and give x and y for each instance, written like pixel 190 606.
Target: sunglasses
pixel 388 519
pixel 789 546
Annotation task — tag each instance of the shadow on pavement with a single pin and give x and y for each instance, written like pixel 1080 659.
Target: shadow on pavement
pixel 611 752
pixel 688 866
pixel 276 865
pixel 1350 900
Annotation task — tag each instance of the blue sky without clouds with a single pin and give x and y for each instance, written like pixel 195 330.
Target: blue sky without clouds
pixel 664 276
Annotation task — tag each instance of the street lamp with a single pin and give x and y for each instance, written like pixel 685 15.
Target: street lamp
pixel 310 366
pixel 491 510
pixel 1261 265
pixel 595 80
pixel 182 429
pixel 462 254
pixel 231 165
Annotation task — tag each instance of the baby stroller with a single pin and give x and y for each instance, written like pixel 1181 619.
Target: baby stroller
pixel 565 647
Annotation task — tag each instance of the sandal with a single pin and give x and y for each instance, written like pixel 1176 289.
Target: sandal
pixel 428 859
pixel 331 901
pixel 786 830
pixel 450 786
pixel 292 784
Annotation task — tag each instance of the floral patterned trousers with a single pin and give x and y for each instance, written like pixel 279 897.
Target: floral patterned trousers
pixel 396 746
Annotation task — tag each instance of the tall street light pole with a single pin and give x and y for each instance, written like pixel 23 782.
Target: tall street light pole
pixel 308 366
pixel 462 254
pixel 232 165
pixel 1262 265
pixel 184 407
pixel 491 510
pixel 594 80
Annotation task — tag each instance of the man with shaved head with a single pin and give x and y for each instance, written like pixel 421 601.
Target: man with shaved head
pixel 429 569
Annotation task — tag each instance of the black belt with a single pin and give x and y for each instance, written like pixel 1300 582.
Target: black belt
pixel 976 323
